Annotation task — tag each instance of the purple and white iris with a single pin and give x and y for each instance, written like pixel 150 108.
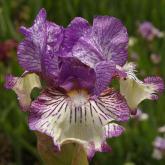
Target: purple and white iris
pixel 77 64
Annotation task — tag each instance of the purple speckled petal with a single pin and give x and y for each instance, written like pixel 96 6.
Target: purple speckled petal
pixel 10 81
pixel 31 48
pixel 158 85
pixel 115 103
pixel 112 37
pixel 23 86
pixel 75 117
pixel 74 74
pixel 39 51
pixel 104 73
pixel 50 60
pixel 77 27
pixel 106 40
pixel 59 43
pixel 113 130
pixel 86 51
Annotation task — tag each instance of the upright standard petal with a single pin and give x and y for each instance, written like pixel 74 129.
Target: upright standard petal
pixel 39 51
pixel 135 91
pixel 23 87
pixel 76 75
pixel 106 40
pixel 31 48
pixel 112 37
pixel 77 27
pixel 75 117
pixel 104 73
pixel 50 61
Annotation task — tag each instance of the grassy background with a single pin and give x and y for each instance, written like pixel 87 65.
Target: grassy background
pixel 17 143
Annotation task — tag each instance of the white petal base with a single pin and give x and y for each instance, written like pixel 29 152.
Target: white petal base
pixel 77 118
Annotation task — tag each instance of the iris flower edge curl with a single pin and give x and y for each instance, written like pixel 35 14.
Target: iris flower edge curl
pixel 135 90
pixel 23 86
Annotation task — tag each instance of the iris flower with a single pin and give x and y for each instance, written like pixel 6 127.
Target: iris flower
pixel 77 64
pixel 159 148
pixel 148 31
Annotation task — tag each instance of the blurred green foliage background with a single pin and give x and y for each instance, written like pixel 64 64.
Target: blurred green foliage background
pixel 134 147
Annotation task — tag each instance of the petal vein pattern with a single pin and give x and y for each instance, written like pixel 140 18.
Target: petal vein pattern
pixel 58 116
pixel 39 51
pixel 104 74
pixel 107 39
pixel 31 48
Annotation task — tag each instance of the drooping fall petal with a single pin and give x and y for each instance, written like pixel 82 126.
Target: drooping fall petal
pixel 135 90
pixel 78 119
pixel 23 87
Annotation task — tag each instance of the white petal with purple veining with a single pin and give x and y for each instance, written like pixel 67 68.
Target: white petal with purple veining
pixel 135 90
pixel 77 118
pixel 23 87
